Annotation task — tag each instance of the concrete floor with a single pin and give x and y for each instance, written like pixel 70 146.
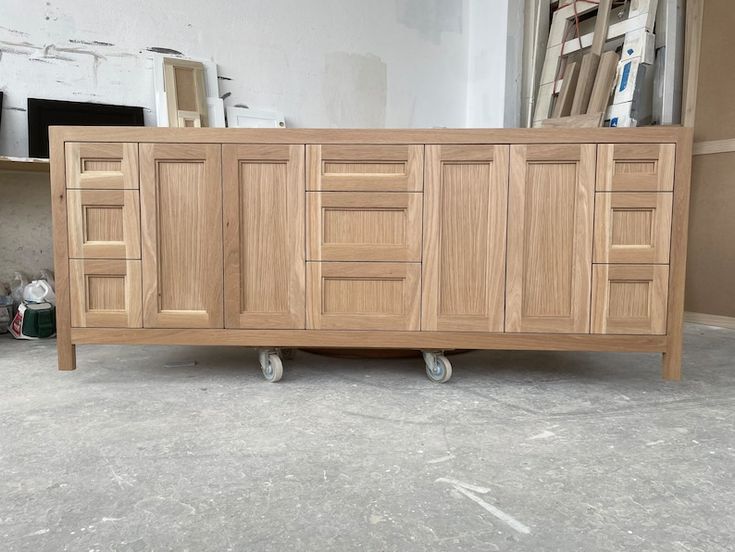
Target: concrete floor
pixel 136 451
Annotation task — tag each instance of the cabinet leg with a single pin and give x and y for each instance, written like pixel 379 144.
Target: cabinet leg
pixel 671 364
pixel 67 354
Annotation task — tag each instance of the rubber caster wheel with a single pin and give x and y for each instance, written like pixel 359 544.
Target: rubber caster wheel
pixel 272 366
pixel 438 367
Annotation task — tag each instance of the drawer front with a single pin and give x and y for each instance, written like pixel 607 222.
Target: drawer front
pixel 105 293
pixel 363 296
pixel 629 299
pixel 635 167
pixel 364 226
pixel 632 227
pixel 102 166
pixel 104 224
pixel 348 168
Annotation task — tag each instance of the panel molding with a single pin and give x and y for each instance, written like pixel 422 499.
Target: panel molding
pixel 112 166
pixel 82 315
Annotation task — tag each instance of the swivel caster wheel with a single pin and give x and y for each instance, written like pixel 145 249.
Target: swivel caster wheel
pixel 271 365
pixel 438 367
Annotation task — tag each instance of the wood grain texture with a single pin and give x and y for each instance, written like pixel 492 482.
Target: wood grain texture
pixel 104 224
pixel 355 168
pixel 364 226
pixel 65 350
pixel 632 227
pixel 550 209
pixel 585 82
pixel 264 236
pixel 106 293
pixel 629 299
pixel 652 134
pixel 186 99
pixel 588 120
pixel 181 231
pixel 363 296
pixel 692 49
pixel 563 103
pixel 635 167
pixel 102 166
pixel 372 339
pixel 604 82
pixel 465 206
pixel 671 365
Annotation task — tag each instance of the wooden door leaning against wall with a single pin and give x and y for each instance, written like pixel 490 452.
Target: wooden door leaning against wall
pixel 181 234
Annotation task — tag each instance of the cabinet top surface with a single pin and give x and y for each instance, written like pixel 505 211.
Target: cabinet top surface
pixel 673 134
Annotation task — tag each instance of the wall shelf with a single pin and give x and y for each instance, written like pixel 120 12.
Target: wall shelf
pixel 24 164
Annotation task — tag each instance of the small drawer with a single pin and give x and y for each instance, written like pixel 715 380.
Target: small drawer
pixel 102 166
pixel 635 167
pixel 105 293
pixel 632 227
pixel 363 296
pixel 104 224
pixel 629 299
pixel 352 168
pixel 364 226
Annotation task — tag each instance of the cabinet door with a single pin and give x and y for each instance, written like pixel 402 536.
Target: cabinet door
pixel 635 167
pixel 365 168
pixel 550 238
pixel 181 230
pixel 364 226
pixel 363 296
pixel 105 293
pixel 102 166
pixel 465 206
pixel 629 299
pixel 264 236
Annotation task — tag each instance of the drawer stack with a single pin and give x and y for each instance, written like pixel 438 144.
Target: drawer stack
pixel 632 238
pixel 103 217
pixel 363 244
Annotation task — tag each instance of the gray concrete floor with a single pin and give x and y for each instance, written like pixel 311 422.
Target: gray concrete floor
pixel 136 451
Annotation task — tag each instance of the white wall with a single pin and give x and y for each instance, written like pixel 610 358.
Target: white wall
pixel 324 63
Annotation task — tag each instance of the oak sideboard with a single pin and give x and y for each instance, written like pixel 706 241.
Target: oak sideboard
pixel 543 239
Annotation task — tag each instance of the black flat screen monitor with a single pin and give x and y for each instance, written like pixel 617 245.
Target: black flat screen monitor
pixel 45 113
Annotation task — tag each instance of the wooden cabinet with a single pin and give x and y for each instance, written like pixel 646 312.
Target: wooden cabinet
pixel 419 239
pixel 465 205
pixel 264 236
pixel 550 209
pixel 181 232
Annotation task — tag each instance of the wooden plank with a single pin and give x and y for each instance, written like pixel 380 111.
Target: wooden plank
pixel 563 104
pixel 714 146
pixel 591 60
pixel 671 365
pixel 24 164
pixel 588 120
pixel 65 350
pixel 692 46
pixel 371 339
pixel 604 80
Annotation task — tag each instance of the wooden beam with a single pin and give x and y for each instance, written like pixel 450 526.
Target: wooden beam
pixel 591 60
pixel 714 146
pixel 588 120
pixel 604 81
pixel 563 105
pixel 692 44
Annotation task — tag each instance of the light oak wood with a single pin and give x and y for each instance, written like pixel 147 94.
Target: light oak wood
pixel 591 61
pixel 104 224
pixel 372 339
pixel 181 231
pixel 24 164
pixel 65 349
pixel 355 168
pixel 363 296
pixel 604 82
pixel 465 206
pixel 264 236
pixel 635 167
pixel 714 146
pixel 632 227
pixel 692 48
pixel 364 226
pixel 186 98
pixel 106 293
pixel 671 365
pixel 102 166
pixel 563 103
pixel 372 137
pixel 588 120
pixel 550 208
pixel 629 299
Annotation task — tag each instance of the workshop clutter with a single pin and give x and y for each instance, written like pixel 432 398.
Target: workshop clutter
pixel 28 309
